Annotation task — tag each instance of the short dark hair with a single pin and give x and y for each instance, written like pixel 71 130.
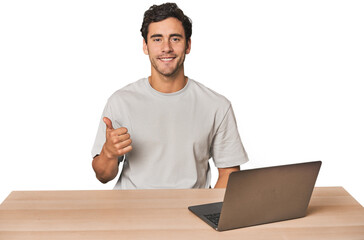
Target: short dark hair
pixel 157 13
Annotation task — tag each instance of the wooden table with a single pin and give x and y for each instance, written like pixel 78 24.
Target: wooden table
pixel 163 214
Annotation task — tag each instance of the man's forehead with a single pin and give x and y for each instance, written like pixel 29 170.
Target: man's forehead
pixel 166 27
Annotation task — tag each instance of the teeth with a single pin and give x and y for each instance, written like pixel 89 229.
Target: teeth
pixel 166 59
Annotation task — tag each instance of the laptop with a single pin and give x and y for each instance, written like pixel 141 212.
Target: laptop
pixel 262 195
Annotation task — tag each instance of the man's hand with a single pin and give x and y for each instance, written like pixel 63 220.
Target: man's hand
pixel 117 143
pixel 118 140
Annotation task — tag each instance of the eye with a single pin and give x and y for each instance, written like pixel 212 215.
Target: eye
pixel 157 39
pixel 175 39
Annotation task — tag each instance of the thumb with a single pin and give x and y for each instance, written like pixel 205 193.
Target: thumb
pixel 108 123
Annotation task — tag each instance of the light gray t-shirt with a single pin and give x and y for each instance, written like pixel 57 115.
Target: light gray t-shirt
pixel 173 135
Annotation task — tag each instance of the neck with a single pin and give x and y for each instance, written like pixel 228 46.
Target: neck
pixel 168 84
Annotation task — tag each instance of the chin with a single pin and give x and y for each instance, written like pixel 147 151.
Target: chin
pixel 168 73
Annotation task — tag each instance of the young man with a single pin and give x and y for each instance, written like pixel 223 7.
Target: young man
pixel 166 127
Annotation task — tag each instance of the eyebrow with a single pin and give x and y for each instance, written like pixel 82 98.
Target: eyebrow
pixel 172 35
pixel 156 35
pixel 176 35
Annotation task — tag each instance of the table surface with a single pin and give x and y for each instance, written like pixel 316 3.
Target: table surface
pixel 163 214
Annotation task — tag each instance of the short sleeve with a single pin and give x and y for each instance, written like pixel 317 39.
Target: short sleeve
pixel 101 132
pixel 227 149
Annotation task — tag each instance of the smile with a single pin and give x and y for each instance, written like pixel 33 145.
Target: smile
pixel 166 59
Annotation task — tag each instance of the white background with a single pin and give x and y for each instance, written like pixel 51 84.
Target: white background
pixel 293 71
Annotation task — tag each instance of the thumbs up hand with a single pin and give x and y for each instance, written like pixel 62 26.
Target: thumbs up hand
pixel 118 140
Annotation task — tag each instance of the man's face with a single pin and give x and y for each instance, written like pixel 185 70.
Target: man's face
pixel 166 46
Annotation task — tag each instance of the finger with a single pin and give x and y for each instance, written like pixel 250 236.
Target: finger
pixel 127 149
pixel 108 123
pixel 119 131
pixel 120 138
pixel 123 144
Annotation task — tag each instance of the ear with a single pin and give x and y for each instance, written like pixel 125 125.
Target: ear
pixel 145 48
pixel 188 47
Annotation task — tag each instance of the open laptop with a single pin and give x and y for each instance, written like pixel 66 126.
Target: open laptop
pixel 262 195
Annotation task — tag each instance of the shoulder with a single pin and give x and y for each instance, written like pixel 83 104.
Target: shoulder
pixel 131 90
pixel 209 95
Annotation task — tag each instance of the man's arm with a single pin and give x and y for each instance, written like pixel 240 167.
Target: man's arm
pixel 117 143
pixel 105 168
pixel 224 176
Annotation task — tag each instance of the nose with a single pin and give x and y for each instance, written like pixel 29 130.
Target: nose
pixel 167 46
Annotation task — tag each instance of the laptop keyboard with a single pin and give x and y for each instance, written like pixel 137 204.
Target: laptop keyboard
pixel 214 218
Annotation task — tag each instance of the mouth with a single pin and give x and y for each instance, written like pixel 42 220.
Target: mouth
pixel 166 59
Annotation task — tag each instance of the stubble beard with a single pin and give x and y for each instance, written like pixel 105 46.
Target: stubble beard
pixel 168 73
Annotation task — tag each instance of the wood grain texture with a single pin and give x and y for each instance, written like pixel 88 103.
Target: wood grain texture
pixel 163 214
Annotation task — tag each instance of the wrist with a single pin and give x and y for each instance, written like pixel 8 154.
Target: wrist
pixel 105 154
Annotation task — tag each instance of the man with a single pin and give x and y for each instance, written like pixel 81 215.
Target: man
pixel 166 127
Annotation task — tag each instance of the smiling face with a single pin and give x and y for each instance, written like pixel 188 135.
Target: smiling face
pixel 167 47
